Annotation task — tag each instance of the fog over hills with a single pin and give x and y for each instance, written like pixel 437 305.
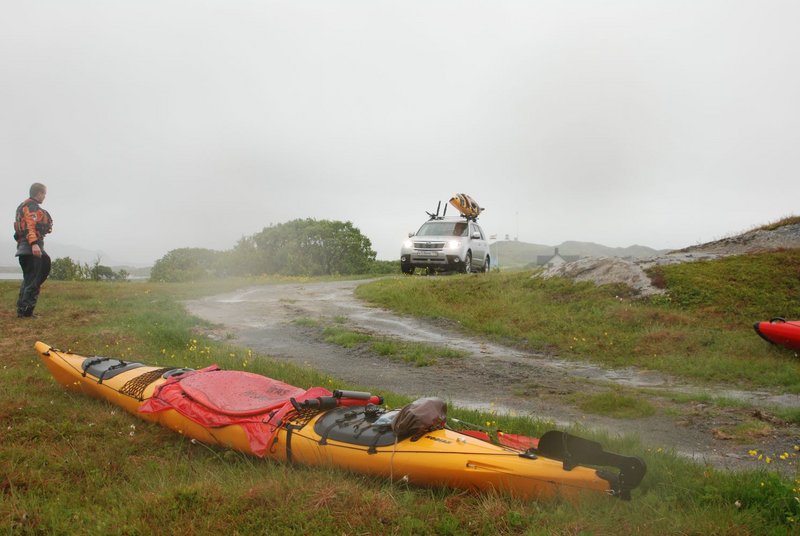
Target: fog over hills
pixel 78 254
pixel 82 255
pixel 509 253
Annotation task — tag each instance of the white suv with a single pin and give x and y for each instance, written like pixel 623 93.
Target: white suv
pixel 442 245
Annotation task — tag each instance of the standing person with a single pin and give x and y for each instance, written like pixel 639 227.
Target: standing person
pixel 30 226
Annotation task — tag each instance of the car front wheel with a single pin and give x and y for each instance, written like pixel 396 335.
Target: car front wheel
pixel 467 268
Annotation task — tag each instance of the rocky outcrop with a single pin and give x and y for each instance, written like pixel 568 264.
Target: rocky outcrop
pixel 786 237
pixel 606 270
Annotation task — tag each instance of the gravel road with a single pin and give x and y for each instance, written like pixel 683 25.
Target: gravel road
pixel 491 376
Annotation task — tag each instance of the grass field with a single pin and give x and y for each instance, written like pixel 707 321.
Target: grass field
pixel 418 354
pixel 701 330
pixel 73 465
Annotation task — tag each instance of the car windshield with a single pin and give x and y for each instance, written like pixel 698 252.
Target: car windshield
pixel 443 228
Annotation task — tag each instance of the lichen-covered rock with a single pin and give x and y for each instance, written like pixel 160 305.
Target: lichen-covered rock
pixel 605 270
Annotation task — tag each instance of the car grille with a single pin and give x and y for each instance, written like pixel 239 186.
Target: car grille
pixel 428 245
pixel 421 259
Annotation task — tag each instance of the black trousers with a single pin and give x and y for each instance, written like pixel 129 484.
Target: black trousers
pixel 34 272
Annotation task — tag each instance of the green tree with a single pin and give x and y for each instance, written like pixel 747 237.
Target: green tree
pixel 65 269
pixel 298 247
pixel 98 272
pixel 185 264
pixel 314 247
pixel 244 259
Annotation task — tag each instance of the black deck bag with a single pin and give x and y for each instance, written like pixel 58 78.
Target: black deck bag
pixel 421 416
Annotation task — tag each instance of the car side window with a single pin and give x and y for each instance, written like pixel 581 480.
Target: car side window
pixel 477 229
pixel 459 229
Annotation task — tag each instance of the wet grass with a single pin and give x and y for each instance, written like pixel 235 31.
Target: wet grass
pixel 701 330
pixel 614 404
pixel 790 415
pixel 74 465
pixel 749 430
pixel 418 354
pixel 344 337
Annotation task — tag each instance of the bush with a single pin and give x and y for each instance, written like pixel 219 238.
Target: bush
pixel 65 269
pixel 314 247
pixel 384 267
pixel 186 264
pixel 306 247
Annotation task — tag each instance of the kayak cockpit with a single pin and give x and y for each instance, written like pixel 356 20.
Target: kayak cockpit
pixel 104 368
pixel 367 426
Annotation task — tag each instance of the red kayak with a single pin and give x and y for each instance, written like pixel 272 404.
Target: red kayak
pixel 780 331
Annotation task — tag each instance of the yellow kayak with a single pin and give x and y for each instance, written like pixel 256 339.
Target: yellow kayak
pixel 264 417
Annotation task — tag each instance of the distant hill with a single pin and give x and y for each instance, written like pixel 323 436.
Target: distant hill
pixel 513 254
pixel 81 255
pixel 590 249
pixel 76 253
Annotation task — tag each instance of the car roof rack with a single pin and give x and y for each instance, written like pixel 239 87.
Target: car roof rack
pixel 436 216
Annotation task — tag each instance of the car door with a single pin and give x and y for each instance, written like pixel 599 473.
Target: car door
pixel 479 245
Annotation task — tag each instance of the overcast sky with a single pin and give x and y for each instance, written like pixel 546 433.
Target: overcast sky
pixel 165 124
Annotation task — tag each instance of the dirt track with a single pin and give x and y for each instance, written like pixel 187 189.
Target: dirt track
pixel 491 377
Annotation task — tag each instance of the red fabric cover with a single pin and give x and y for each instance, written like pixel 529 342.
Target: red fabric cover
pixel 514 441
pixel 477 434
pixel 519 442
pixel 236 393
pixel 260 426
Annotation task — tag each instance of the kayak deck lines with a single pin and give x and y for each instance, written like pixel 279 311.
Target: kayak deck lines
pixel 135 387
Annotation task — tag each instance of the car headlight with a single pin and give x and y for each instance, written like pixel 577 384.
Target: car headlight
pixel 408 244
pixel 454 244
